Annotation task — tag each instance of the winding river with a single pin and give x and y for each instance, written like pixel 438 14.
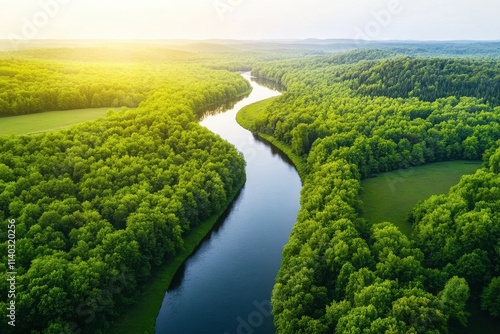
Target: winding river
pixel 225 286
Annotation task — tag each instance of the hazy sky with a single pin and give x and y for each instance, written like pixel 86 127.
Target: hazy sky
pixel 250 19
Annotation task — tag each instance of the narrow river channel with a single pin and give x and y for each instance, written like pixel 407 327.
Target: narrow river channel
pixel 225 286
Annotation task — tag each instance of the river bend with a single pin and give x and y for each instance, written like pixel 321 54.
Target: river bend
pixel 225 285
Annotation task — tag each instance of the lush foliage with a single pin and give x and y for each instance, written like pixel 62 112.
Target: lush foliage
pixel 30 86
pixel 351 118
pixel 98 206
pixel 428 79
pixel 391 196
pixel 49 121
pixel 460 234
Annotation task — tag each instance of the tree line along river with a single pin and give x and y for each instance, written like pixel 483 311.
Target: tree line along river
pixel 225 286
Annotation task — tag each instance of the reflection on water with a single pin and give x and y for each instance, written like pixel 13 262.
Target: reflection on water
pixel 274 150
pixel 228 105
pixel 179 275
pixel 220 108
pixel 230 277
pixel 269 84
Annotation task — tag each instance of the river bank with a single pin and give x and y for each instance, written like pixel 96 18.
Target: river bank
pixel 141 317
pixel 225 286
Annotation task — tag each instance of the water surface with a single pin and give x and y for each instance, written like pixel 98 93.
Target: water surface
pixel 225 286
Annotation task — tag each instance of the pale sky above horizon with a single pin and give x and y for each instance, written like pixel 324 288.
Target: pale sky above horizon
pixel 251 19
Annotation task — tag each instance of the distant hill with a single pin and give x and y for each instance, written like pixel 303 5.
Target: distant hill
pixel 294 47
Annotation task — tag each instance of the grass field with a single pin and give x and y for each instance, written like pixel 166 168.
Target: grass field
pixel 246 115
pixel 48 121
pixel 391 196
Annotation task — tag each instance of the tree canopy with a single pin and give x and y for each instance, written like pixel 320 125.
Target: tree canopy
pixel 356 114
pixel 100 205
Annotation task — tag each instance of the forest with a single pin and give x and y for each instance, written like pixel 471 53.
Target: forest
pixel 99 206
pixel 350 116
pixel 33 85
pixel 36 86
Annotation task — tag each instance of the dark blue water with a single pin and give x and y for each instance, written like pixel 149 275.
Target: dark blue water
pixel 225 286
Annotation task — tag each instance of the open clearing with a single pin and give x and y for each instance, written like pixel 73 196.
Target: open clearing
pixel 48 121
pixel 391 196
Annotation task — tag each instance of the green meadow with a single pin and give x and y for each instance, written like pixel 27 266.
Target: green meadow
pixel 391 196
pixel 48 121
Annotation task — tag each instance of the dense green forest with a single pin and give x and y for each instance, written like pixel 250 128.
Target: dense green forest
pixel 98 206
pixel 36 86
pixel 352 115
pixel 65 78
pixel 459 233
pixel 32 85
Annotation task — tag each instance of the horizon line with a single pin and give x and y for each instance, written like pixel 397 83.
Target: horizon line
pixel 251 39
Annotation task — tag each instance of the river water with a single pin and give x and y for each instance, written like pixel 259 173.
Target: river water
pixel 225 286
